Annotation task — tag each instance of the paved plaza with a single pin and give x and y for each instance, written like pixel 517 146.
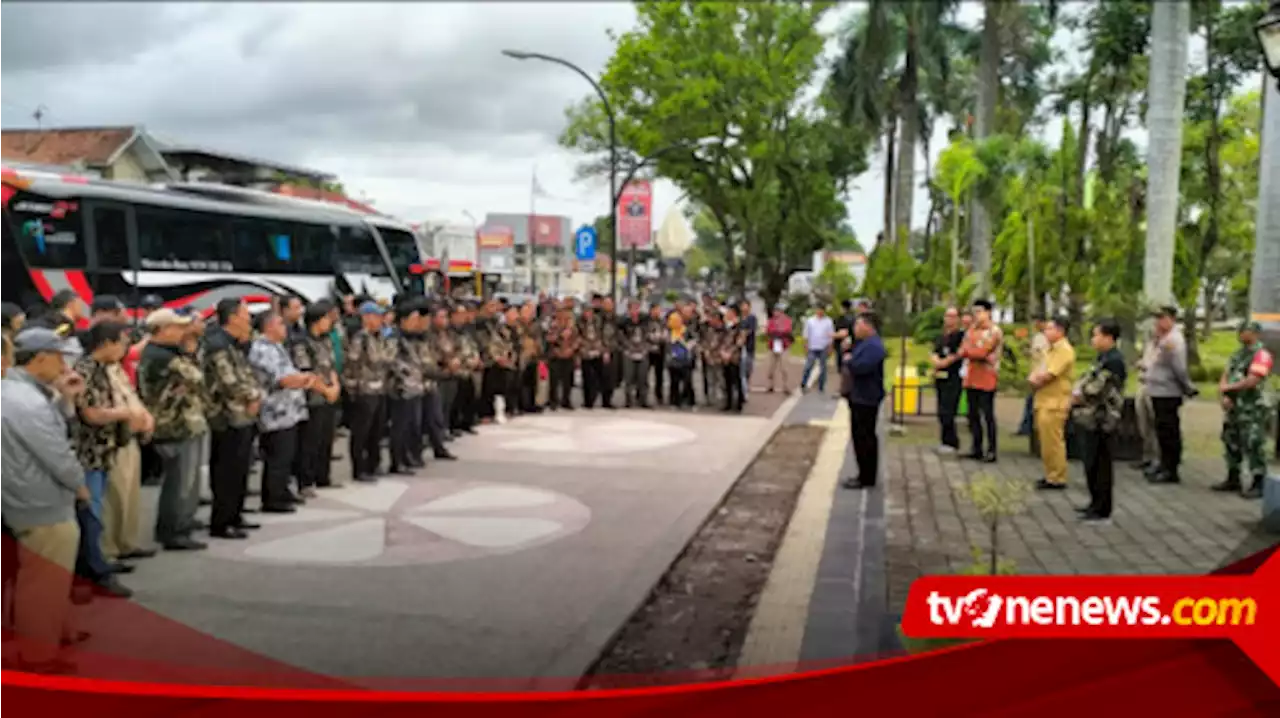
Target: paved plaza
pixel 842 574
pixel 519 562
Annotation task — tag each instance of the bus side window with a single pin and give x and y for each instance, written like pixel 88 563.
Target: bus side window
pixel 265 246
pixel 49 231
pixel 313 248
pixel 181 240
pixel 111 234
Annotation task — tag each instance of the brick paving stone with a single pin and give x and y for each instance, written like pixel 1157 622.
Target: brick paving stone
pixel 1183 529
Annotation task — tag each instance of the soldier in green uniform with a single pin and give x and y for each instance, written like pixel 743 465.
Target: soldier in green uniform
pixel 470 365
pixel 233 415
pixel 1244 424
pixel 172 387
pixel 404 392
pixel 364 377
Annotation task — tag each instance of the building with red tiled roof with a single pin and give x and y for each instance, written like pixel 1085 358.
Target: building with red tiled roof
pixel 115 153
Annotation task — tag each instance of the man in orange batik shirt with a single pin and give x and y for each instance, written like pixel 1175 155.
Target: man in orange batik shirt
pixel 982 345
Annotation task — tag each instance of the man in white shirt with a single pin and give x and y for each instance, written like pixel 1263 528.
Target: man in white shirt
pixel 819 331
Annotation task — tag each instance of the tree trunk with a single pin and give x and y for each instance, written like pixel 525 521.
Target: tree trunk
pixel 891 140
pixel 1191 335
pixel 984 126
pixel 1167 90
pixel 910 123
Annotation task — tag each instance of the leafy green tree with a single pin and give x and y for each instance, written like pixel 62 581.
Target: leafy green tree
pixel 728 82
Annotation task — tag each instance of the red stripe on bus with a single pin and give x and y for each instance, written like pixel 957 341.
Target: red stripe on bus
pixel 80 285
pixel 42 284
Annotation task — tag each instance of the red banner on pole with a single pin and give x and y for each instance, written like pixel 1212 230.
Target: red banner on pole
pixel 635 214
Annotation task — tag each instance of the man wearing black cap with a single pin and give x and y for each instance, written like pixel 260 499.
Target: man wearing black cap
pixel 1166 381
pixel 105 308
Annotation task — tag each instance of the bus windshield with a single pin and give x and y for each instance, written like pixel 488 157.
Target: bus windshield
pixel 402 248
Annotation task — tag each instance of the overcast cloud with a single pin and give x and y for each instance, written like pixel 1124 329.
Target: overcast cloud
pixel 410 104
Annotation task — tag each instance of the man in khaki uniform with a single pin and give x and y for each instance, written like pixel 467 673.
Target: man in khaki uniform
pixel 1052 384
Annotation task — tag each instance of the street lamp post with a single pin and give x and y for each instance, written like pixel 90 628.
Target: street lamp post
pixel 613 154
pixel 1268 32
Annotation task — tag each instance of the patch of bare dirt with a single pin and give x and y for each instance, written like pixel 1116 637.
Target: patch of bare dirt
pixel 694 622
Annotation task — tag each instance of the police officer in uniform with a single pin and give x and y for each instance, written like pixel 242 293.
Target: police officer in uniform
pixel 365 375
pixel 404 393
pixel 1244 424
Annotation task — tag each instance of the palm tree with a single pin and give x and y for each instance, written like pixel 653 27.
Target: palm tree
pixel 1167 92
pixel 893 55
pixel 996 15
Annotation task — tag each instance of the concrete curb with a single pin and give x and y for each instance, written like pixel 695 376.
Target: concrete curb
pixel 583 648
pixel 777 629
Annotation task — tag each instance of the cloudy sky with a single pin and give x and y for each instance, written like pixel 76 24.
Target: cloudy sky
pixel 410 104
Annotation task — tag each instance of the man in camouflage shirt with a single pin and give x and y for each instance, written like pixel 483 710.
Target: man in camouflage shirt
pixel 233 414
pixel 610 327
pixel 1245 411
pixel 635 344
pixel 445 347
pixel 432 421
pixel 531 330
pixel 657 339
pixel 1099 401
pixel 733 338
pixel 485 329
pixel 711 337
pixel 173 389
pixel 365 378
pixel 470 364
pixel 499 352
pixel 563 347
pixel 592 351
pixel 404 393
pixel 314 354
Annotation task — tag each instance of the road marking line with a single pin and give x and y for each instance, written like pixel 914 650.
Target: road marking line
pixel 776 633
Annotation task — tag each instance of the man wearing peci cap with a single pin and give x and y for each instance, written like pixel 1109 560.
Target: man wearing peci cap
pixel 172 386
pixel 43 480
pixel 1244 422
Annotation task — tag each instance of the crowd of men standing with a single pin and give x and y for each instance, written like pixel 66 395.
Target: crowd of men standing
pixel 93 400
pixel 966 358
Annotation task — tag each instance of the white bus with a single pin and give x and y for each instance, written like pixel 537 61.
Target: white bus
pixel 191 244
